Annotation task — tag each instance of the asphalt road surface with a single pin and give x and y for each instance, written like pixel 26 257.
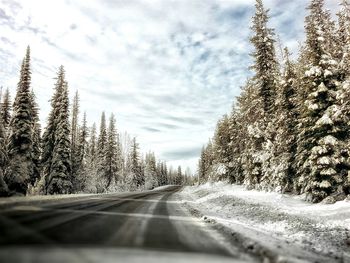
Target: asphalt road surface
pixel 133 227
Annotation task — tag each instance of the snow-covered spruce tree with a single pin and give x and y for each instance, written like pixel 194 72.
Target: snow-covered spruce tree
pixel 150 171
pixel 249 105
pixel 36 139
pixel 343 36
pixel 163 173
pixel 101 155
pixel 179 176
pixel 20 145
pixel 206 163
pixel 80 178
pixel 56 142
pixel 91 162
pixel 134 164
pixel 201 167
pixel 74 139
pixel 111 153
pixel 236 146
pixel 344 91
pixel 6 108
pixel 265 81
pixel 321 155
pixel 3 159
pixel 282 172
pixel 222 150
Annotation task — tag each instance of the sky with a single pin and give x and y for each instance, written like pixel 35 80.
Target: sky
pixel 168 69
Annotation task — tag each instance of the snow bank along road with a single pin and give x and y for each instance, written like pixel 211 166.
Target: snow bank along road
pixel 145 226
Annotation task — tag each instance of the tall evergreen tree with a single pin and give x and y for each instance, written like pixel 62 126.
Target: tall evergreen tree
pixel 6 108
pixel 265 65
pixel 56 141
pixel 3 159
pixel 74 136
pixel 81 179
pixel 111 153
pixel 20 145
pixel 36 139
pixel 134 163
pixel 91 161
pixel 282 170
pixel 344 36
pixel 322 162
pixel 150 171
pixel 265 81
pixel 101 153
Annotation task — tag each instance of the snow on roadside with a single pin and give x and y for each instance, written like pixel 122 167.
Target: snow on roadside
pixel 39 198
pixel 322 228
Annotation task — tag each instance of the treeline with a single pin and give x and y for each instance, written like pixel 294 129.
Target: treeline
pixel 69 157
pixel 289 128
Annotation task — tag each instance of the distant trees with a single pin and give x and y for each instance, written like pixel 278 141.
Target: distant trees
pixel 69 157
pixel 289 130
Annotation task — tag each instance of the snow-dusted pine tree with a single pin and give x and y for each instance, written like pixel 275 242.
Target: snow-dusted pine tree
pixel 20 145
pixel 91 162
pixel 3 159
pixel 101 154
pixel 265 81
pixel 282 172
pixel 36 139
pixel 111 153
pixel 134 164
pixel 222 149
pixel 81 179
pixel 322 158
pixel 150 171
pixel 343 36
pixel 6 108
pixel 56 141
pixel 74 137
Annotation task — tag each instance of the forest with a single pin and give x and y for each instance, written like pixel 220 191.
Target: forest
pixel 289 128
pixel 68 156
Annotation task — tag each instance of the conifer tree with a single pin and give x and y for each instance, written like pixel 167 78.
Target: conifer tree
pixel 3 159
pixel 134 163
pixel 36 139
pixel 91 161
pixel 322 163
pixel 6 108
pixel 82 148
pixel 150 171
pixel 74 136
pixel 343 36
pixel 20 145
pixel 56 141
pixel 101 154
pixel 282 170
pixel 265 80
pixel 111 153
pixel 222 148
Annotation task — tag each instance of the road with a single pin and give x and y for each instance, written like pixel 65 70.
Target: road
pixel 149 226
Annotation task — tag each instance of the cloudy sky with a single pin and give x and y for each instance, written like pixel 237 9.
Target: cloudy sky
pixel 168 69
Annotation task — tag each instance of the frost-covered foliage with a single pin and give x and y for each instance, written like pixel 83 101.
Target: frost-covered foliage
pixel 69 157
pixel 58 176
pixel 289 131
pixel 20 144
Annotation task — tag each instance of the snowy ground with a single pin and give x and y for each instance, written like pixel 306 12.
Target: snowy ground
pixel 284 226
